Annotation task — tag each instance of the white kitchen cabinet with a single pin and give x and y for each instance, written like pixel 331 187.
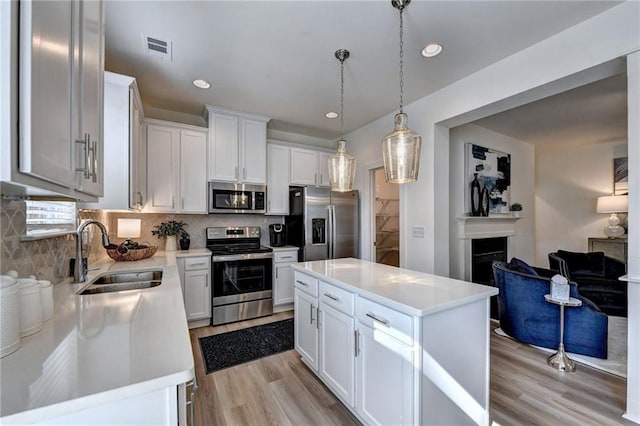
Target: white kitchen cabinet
pixel 309 167
pixel 277 179
pixel 306 325
pixel 176 165
pixel 283 278
pixel 59 97
pixel 384 395
pixel 195 277
pixel 125 145
pixel 237 146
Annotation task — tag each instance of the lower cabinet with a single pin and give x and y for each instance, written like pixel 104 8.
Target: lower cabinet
pixel 306 327
pixel 337 350
pixel 283 278
pixel 195 276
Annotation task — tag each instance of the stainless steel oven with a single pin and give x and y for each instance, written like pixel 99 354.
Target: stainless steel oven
pixel 236 198
pixel 241 274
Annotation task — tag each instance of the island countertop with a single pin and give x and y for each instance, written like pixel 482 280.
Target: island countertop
pixel 414 293
pixel 101 348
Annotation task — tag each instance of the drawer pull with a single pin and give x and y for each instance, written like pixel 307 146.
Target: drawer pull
pixel 357 342
pixel 378 319
pixel 286 257
pixel 332 297
pixel 310 314
pixel 302 283
pixel 197 264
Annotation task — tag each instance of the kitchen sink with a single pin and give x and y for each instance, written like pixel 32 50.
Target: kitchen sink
pixel 124 281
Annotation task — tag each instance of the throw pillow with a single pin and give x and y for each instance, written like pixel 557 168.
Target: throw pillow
pixel 521 266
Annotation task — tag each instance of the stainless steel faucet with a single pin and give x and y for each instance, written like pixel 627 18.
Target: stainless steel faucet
pixel 80 272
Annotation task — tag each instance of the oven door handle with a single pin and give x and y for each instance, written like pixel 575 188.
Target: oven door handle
pixel 245 256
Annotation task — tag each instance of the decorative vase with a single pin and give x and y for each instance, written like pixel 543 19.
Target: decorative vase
pixel 185 243
pixel 170 243
pixel 484 201
pixel 475 196
pixel 515 213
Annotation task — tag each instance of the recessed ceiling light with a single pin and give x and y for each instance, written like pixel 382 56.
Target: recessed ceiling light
pixel 331 114
pixel 431 50
pixel 202 84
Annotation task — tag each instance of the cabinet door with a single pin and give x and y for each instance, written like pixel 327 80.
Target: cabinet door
pixel 163 165
pixel 337 340
pixel 254 149
pixel 306 328
pixel 323 169
pixel 283 284
pixel 89 95
pixel 45 147
pixel 304 163
pixel 193 172
pixel 384 395
pixel 197 294
pixel 277 180
pixel 223 147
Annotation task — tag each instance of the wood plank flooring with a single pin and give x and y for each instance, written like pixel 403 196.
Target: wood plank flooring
pixel 281 390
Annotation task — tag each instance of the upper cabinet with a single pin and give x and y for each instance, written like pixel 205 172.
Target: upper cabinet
pixel 177 168
pixel 309 167
pixel 124 145
pixel 60 94
pixel 277 179
pixel 237 146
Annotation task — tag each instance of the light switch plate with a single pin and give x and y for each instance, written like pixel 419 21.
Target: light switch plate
pixel 417 231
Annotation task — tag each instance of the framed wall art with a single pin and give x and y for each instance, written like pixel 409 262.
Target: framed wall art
pixel 487 181
pixel 620 176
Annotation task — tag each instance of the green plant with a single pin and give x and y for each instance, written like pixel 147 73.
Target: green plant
pixel 170 228
pixel 516 207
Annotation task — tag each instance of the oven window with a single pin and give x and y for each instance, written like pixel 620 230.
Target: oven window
pixel 232 199
pixel 243 276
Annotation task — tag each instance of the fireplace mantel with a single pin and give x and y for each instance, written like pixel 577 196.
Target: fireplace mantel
pixel 486 226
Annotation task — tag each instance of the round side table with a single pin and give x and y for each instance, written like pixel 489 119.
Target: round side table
pixel 560 360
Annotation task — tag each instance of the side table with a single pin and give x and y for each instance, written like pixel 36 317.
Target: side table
pixel 560 360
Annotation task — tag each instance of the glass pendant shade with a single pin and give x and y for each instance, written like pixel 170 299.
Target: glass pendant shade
pixel 342 169
pixel 401 152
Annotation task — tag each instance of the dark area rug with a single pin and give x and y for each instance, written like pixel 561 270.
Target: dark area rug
pixel 236 347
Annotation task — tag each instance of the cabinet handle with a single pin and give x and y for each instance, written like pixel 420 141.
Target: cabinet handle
pixel 140 198
pixel 87 160
pixel 236 172
pixel 94 173
pixel 286 257
pixel 302 283
pixel 318 318
pixel 321 176
pixel 356 348
pixel 269 205
pixel 332 297
pixel 197 264
pixel 311 314
pixel 276 273
pixel 378 319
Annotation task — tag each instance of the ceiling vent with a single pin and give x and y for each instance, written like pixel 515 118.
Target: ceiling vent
pixel 155 46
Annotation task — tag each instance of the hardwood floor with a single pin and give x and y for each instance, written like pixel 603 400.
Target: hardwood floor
pixel 281 390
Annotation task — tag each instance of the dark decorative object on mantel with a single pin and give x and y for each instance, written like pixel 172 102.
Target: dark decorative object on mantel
pixel 475 196
pixel 484 202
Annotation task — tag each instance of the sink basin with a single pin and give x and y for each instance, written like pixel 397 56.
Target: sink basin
pixel 124 281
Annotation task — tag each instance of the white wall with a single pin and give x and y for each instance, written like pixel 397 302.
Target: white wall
pixel 568 181
pixel 522 188
pixel 524 76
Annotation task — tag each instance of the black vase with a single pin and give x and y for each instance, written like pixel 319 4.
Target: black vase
pixel 185 243
pixel 475 196
pixel 484 202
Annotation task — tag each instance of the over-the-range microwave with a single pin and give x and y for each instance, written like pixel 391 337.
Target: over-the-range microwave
pixel 237 198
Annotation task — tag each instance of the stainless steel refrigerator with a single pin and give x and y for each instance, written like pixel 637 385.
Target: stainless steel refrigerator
pixel 324 224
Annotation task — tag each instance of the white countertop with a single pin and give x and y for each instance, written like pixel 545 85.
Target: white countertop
pixel 411 292
pixel 101 348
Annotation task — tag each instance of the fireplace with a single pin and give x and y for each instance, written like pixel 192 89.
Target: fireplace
pixel 484 251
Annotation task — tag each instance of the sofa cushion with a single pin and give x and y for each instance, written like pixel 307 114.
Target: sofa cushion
pixel 519 265
pixel 589 264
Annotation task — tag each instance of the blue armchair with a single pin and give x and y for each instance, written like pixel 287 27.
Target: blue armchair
pixel 526 316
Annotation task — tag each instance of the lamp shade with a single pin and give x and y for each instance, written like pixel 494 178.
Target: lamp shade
pixel 612 204
pixel 401 152
pixel 128 228
pixel 342 169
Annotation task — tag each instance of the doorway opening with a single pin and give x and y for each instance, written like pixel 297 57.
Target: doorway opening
pixel 387 220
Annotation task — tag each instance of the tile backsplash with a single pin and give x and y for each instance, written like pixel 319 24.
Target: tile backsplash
pixel 48 258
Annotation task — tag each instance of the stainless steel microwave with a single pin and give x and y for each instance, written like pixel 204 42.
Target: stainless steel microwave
pixel 237 198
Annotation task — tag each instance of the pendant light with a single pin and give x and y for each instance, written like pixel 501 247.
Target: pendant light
pixel 342 165
pixel 401 148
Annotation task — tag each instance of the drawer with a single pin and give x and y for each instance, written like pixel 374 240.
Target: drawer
pixel 285 256
pixel 342 300
pixel 385 319
pixel 193 263
pixel 306 283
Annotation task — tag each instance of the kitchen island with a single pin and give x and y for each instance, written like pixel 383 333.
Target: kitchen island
pixel 110 358
pixel 396 346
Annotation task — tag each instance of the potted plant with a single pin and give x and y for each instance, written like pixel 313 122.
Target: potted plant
pixel 185 240
pixel 170 231
pixel 516 208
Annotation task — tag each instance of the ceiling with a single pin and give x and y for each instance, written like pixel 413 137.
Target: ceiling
pixel 276 58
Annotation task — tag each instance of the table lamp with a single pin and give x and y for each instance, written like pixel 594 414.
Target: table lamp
pixel 128 228
pixel 613 204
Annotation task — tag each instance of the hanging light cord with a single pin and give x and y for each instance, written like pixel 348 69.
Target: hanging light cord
pixel 401 61
pixel 341 98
